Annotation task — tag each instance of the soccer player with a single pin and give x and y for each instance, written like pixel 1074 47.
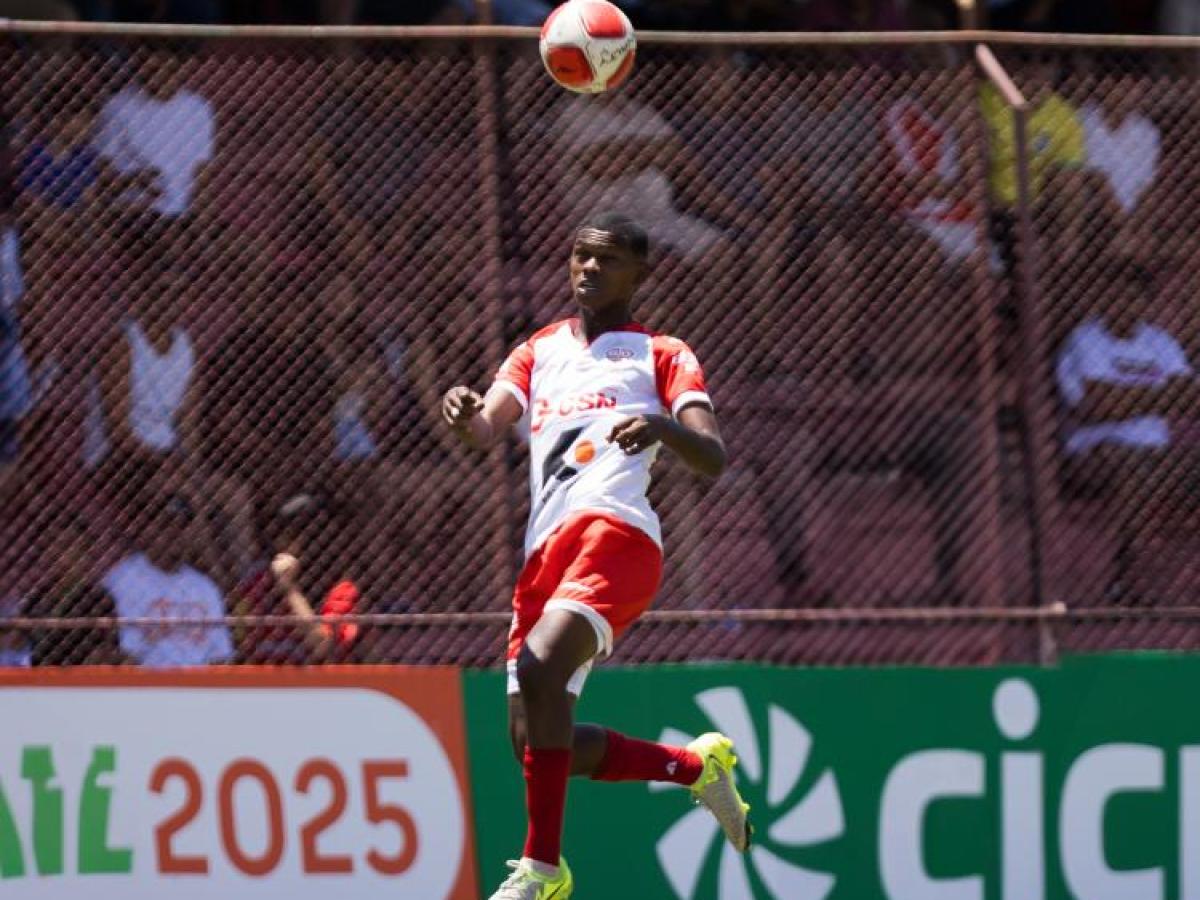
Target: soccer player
pixel 601 394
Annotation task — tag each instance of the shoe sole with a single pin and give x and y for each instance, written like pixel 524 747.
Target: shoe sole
pixel 730 753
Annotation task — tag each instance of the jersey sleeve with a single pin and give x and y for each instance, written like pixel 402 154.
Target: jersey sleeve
pixel 678 375
pixel 342 600
pixel 515 376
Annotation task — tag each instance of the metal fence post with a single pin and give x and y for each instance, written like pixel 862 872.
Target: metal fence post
pixel 502 537
pixel 1037 433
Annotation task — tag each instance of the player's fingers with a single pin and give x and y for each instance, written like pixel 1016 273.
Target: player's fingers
pixel 459 399
pixel 457 416
pixel 633 431
pixel 632 445
pixel 620 429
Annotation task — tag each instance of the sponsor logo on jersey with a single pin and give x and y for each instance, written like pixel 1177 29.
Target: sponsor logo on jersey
pixel 618 354
pixel 570 405
pixel 585 452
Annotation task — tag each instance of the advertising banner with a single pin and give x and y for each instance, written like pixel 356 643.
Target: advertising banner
pixel 1080 781
pixel 234 783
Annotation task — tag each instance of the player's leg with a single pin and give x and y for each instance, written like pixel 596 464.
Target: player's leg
pixel 543 660
pixel 587 742
pixel 610 582
pixel 602 754
pixel 705 766
pixel 556 647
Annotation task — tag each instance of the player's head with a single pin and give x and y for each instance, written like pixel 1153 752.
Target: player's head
pixel 609 259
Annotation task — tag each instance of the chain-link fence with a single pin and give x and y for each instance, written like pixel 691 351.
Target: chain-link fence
pixel 1103 257
pixel 240 269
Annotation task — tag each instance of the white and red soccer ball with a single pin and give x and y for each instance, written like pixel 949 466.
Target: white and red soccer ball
pixel 588 46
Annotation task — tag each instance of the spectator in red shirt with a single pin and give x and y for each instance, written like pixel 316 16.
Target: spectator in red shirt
pixel 300 532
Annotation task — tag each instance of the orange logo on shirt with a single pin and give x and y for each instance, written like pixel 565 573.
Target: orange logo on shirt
pixel 585 452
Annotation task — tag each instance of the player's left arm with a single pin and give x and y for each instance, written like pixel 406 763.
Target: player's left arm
pixel 693 435
pixel 688 424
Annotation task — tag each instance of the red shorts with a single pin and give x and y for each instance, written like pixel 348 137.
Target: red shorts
pixel 594 564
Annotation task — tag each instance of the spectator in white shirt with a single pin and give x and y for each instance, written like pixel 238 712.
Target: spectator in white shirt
pixel 1120 376
pixel 1122 379
pixel 150 389
pixel 159 583
pixel 158 137
pixel 150 399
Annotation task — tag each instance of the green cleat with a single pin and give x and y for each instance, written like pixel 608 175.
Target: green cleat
pixel 716 791
pixel 525 883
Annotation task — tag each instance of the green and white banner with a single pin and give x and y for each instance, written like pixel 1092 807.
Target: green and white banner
pixel 1080 781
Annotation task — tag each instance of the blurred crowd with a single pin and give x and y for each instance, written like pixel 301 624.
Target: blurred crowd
pixel 235 282
pixel 1084 16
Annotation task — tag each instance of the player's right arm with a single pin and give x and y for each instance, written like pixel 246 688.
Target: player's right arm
pixel 480 422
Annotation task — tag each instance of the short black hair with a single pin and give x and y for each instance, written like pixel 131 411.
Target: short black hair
pixel 629 233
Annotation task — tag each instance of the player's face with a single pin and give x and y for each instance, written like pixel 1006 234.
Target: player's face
pixel 604 272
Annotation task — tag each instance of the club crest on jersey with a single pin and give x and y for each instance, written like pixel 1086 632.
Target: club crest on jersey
pixel 569 405
pixel 618 354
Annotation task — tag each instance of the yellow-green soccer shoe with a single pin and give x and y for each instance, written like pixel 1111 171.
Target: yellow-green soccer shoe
pixel 716 790
pixel 527 884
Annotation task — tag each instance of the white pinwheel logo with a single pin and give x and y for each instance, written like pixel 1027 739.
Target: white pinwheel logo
pixel 812 819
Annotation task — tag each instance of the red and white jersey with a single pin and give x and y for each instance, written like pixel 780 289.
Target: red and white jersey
pixel 573 394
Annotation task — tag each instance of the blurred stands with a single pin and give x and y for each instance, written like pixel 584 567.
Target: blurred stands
pixel 827 238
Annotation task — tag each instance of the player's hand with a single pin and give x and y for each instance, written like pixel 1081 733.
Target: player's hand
pixel 460 405
pixel 635 434
pixel 286 570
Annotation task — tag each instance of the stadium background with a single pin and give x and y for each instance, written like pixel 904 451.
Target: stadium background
pixel 878 292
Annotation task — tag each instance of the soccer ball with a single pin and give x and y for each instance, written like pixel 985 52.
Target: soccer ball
pixel 588 46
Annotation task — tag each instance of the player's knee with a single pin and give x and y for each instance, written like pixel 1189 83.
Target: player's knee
pixel 537 678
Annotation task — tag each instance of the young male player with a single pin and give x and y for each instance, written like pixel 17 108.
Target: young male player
pixel 602 393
